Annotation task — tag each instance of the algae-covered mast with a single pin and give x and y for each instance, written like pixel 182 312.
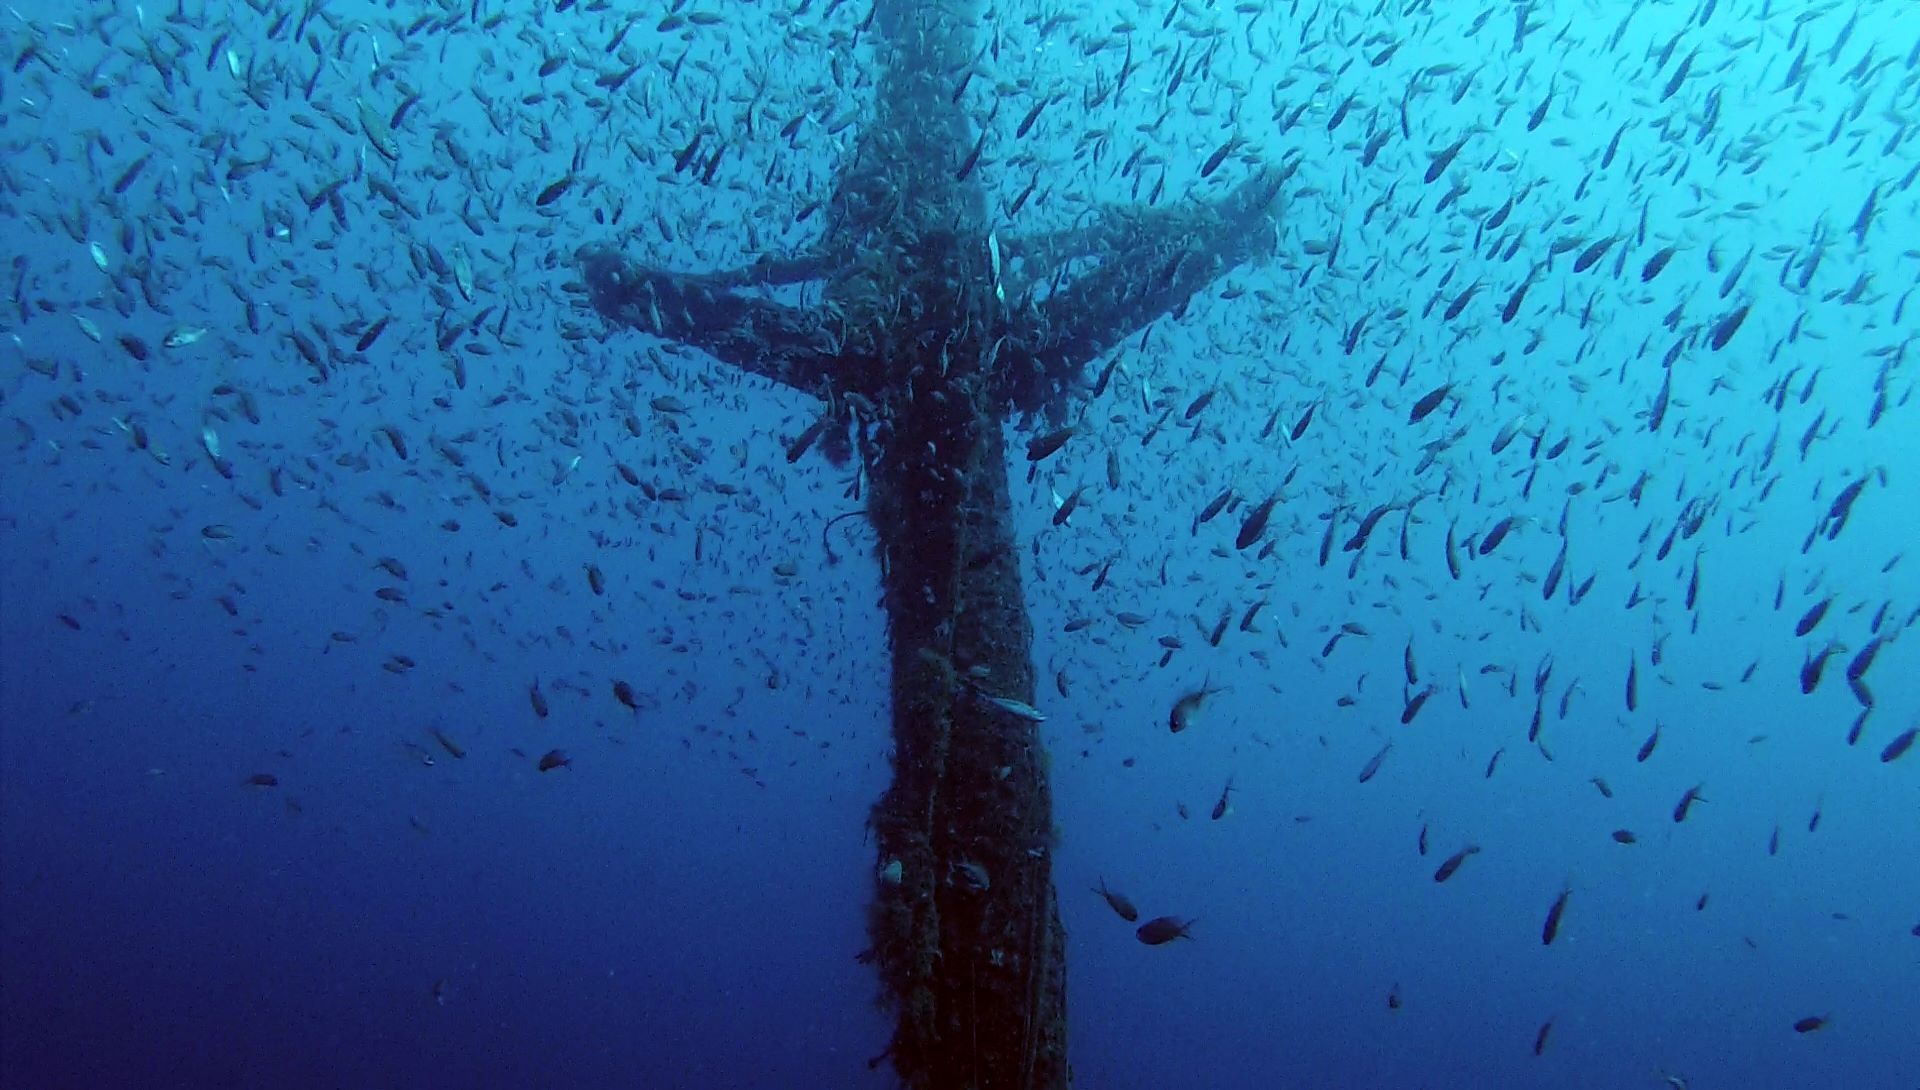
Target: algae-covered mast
pixel 925 341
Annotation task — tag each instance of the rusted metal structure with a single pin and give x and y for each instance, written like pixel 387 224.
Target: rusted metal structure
pixel 931 330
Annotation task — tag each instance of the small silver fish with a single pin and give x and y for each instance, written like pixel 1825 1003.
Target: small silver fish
pixel 1187 708
pixel 1015 707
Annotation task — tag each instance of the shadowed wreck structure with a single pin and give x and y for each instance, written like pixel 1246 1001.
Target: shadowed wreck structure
pixel 930 329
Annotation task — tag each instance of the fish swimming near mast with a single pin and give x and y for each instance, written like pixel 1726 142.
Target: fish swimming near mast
pixel 1117 901
pixel 1186 710
pixel 1163 929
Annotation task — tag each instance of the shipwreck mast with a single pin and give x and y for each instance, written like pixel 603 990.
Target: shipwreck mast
pixel 925 340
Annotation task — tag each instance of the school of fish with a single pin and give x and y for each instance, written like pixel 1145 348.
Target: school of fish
pixel 1567 408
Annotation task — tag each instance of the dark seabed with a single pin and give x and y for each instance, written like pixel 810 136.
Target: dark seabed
pixel 409 678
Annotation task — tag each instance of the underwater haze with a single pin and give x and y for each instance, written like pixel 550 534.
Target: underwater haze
pixel 408 678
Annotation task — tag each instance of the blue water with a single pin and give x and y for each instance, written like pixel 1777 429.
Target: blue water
pixel 681 905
